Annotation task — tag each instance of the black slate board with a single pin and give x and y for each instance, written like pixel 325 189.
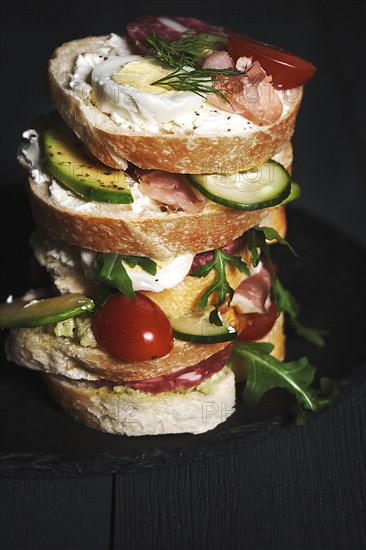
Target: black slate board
pixel 37 439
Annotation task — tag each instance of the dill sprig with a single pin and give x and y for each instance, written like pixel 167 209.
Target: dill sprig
pixel 198 81
pixel 185 56
pixel 189 51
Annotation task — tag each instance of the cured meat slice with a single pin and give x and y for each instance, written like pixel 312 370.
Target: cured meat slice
pixel 204 257
pixel 173 190
pixel 167 27
pixel 182 379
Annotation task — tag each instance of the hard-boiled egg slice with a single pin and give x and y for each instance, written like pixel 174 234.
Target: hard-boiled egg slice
pixel 123 85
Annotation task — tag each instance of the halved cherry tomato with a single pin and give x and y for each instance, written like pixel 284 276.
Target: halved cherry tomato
pixel 254 326
pixel 133 329
pixel 287 70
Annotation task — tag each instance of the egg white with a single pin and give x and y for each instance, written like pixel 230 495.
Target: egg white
pixel 141 101
pixel 168 275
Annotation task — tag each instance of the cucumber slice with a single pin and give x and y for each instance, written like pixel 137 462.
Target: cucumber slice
pixel 68 162
pixel 36 313
pixel 196 327
pixel 265 185
pixel 295 193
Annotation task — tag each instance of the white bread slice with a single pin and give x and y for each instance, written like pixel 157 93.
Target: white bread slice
pixel 64 265
pixel 137 413
pixel 161 235
pixel 37 349
pixel 172 150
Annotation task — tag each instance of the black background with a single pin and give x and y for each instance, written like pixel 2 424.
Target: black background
pixel 300 490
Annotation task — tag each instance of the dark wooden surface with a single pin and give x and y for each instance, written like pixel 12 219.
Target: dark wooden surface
pixel 52 514
pixel 301 489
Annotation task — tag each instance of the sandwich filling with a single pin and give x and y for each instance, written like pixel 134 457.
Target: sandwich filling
pixel 98 75
pixel 152 191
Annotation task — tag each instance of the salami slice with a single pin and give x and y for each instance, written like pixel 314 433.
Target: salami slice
pixel 167 27
pixel 204 257
pixel 182 379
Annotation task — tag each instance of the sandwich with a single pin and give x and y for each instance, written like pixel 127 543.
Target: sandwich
pixel 158 187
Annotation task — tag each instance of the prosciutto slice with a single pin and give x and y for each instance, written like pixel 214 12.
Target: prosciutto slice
pixel 253 294
pixel 172 190
pixel 218 60
pixel 250 95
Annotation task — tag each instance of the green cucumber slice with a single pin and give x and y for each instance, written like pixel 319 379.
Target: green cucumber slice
pixel 65 158
pixel 265 185
pixel 196 327
pixel 22 313
pixel 295 193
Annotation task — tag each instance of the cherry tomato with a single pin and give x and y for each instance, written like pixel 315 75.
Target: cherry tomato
pixel 287 70
pixel 254 326
pixel 133 329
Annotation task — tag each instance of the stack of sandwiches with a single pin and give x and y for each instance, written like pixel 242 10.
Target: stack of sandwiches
pixel 164 166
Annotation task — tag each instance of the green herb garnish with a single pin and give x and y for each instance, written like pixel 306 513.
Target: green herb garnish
pixel 221 285
pixel 189 50
pixel 265 373
pixel 185 56
pixel 284 300
pixel 110 271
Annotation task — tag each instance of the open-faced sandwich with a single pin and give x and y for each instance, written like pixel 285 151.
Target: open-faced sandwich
pixel 158 188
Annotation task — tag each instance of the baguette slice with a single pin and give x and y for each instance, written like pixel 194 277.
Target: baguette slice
pixel 138 413
pixel 173 150
pixel 64 266
pixel 160 235
pixel 39 350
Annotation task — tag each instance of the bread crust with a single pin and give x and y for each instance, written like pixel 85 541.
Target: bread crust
pixel 137 413
pixel 38 350
pixel 179 300
pixel 158 237
pixel 173 152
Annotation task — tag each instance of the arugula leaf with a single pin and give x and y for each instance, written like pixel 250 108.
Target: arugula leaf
pixel 145 263
pixel 257 238
pixel 110 271
pixel 288 304
pixel 265 373
pixel 221 285
pixel 285 301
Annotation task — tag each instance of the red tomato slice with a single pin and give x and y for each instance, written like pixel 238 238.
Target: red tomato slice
pixel 133 329
pixel 287 70
pixel 254 326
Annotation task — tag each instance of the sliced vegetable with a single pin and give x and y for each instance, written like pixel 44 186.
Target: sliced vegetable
pixel 66 159
pixel 266 185
pixel 133 329
pixel 196 327
pixel 36 313
pixel 294 194
pixel 287 70
pixel 254 326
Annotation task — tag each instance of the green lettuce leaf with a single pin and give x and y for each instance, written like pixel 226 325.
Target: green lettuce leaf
pixel 265 373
